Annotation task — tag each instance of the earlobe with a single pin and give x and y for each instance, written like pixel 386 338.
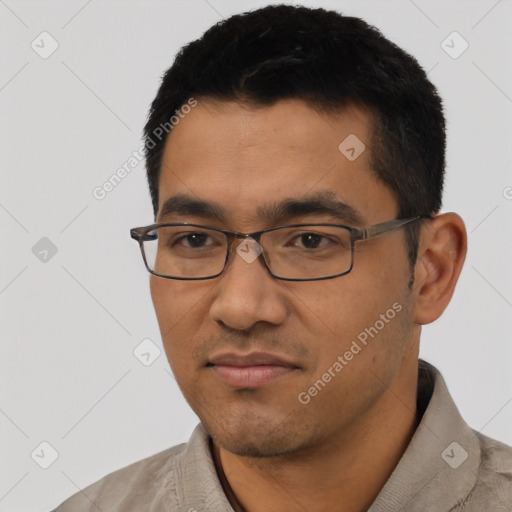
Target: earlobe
pixel 441 254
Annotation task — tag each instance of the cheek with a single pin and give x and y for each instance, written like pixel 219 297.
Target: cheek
pixel 180 308
pixel 366 306
pixel 360 337
pixel 175 301
pixel 164 303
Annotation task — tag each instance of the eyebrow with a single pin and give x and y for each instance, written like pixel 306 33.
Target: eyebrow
pixel 321 203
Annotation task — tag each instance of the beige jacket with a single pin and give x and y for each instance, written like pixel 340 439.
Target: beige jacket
pixel 447 467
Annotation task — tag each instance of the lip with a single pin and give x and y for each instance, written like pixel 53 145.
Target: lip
pixel 250 371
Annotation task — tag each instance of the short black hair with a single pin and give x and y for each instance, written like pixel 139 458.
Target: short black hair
pixel 329 61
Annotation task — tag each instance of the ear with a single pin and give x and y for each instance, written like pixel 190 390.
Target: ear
pixel 441 254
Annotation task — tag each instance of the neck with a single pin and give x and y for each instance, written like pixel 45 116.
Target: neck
pixel 349 469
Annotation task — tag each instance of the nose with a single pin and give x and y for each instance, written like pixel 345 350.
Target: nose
pixel 247 293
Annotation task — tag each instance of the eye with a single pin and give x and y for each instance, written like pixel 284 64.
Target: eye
pixel 193 240
pixel 316 240
pixel 311 240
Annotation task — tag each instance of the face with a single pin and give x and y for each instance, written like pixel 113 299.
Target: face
pixel 270 366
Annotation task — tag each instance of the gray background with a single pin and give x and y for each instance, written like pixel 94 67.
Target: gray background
pixel 70 323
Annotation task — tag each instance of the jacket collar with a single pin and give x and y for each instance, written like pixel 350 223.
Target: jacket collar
pixel 440 466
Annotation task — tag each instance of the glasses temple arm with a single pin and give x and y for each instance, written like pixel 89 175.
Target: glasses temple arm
pixel 384 227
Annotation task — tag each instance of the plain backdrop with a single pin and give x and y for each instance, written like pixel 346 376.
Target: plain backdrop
pixel 74 299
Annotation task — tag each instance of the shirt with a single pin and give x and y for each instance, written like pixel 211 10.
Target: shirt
pixel 447 467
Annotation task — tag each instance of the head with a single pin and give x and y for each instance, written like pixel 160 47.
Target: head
pixel 261 104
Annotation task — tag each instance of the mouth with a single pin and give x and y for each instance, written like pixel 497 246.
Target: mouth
pixel 250 371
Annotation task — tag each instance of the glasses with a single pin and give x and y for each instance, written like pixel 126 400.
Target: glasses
pixel 298 252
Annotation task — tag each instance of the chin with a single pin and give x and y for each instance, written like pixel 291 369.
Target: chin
pixel 258 437
pixel 263 447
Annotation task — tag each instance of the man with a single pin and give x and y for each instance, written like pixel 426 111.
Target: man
pixel 295 161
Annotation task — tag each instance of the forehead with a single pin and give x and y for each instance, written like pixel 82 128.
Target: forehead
pixel 242 157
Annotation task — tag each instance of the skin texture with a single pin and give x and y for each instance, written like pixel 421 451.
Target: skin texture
pixel 278 453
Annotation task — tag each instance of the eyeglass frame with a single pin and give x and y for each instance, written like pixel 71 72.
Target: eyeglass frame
pixel 356 235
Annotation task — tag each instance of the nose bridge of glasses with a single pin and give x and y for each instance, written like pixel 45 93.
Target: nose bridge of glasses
pixel 251 238
pixel 238 235
pixel 248 248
